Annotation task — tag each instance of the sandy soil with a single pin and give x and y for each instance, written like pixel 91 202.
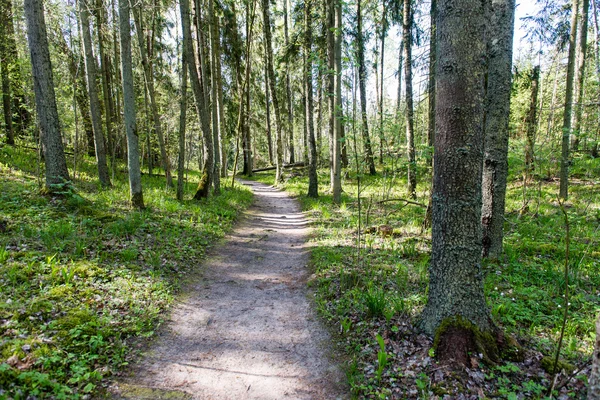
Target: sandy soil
pixel 246 329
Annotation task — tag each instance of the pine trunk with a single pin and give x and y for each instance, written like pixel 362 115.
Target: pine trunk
pixel 336 182
pixel 5 67
pixel 182 125
pixel 45 98
pixel 531 121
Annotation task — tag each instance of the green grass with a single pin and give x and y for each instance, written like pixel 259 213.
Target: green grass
pixel 83 277
pixel 377 290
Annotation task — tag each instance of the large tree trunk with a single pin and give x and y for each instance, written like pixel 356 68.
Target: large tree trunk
pixel 222 133
pixel 188 46
pixel 271 71
pixel 248 154
pixel 336 176
pixel 45 99
pixel 182 125
pixel 90 66
pixel 384 27
pixel 410 130
pixel 580 73
pixel 456 307
pixel 133 150
pixel 362 83
pixel 149 84
pixel 495 164
pixel 566 129
pixel 5 67
pixel 313 183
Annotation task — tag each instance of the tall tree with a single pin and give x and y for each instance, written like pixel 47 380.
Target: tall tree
pixel 276 108
pixel 188 47
pixel 409 113
pixel 531 120
pixel 456 298
pixel 336 175
pixel 133 151
pixel 182 125
pixel 431 84
pixel 288 87
pixel 580 72
pixel 216 122
pixel 90 66
pixel 145 44
pixel 313 183
pixel 5 67
pixel 495 164
pixel 362 83
pixel 45 98
pixel 566 129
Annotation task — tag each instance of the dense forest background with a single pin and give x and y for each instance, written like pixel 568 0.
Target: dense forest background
pixel 424 147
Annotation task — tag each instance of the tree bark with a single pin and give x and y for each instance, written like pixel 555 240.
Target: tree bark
pixel 566 129
pixel 268 114
pixel 313 183
pixel 271 71
pixel 90 66
pixel 456 279
pixel 45 98
pixel 188 46
pixel 362 83
pixel 380 105
pixel 495 164
pixel 410 130
pixel 580 72
pixel 133 151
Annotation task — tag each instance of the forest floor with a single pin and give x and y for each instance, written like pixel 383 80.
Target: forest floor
pixel 245 328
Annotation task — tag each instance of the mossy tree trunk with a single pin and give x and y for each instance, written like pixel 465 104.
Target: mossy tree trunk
pixel 45 98
pixel 133 148
pixel 456 279
pixel 495 164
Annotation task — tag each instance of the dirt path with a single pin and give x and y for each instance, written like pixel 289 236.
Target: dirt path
pixel 246 330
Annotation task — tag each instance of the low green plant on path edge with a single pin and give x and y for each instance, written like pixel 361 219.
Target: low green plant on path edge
pixel 84 280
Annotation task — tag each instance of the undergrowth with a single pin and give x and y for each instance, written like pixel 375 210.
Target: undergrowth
pixel 372 297
pixel 83 278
